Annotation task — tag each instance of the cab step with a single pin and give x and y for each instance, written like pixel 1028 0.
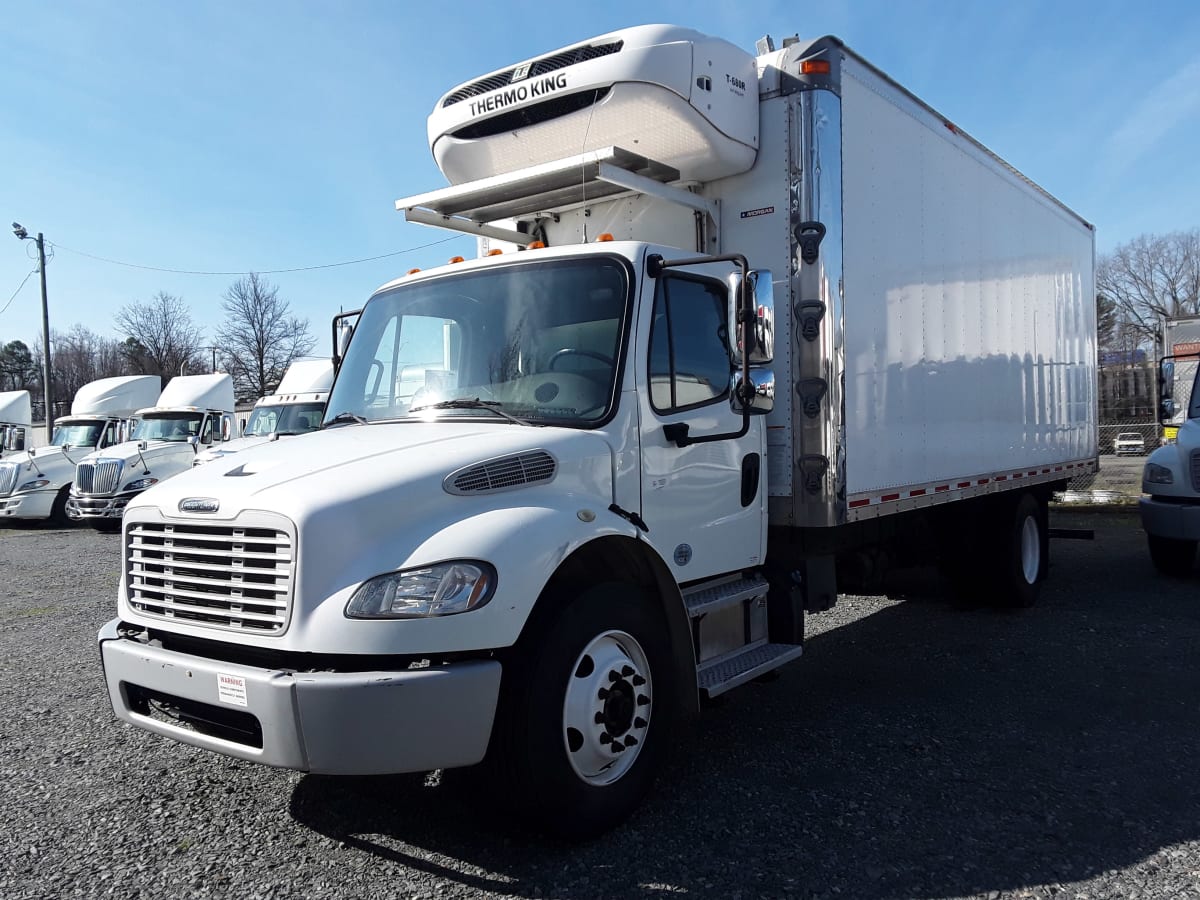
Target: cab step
pixel 710 596
pixel 720 675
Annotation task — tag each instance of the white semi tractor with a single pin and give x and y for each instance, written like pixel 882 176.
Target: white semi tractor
pixel 193 411
pixel 732 318
pixel 16 421
pixel 36 484
pixel 296 407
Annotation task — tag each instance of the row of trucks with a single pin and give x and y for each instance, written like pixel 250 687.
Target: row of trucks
pixel 1170 502
pixel 738 326
pixel 123 437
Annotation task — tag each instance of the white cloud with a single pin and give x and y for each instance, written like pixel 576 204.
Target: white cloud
pixel 1166 105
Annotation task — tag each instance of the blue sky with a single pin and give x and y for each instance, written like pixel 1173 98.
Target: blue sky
pixel 226 136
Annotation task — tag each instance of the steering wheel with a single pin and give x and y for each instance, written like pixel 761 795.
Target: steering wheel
pixel 571 351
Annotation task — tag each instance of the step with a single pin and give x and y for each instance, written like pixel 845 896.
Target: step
pixel 709 597
pixel 717 677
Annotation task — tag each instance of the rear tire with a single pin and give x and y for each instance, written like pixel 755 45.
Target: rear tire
pixel 1023 554
pixel 1172 557
pixel 586 705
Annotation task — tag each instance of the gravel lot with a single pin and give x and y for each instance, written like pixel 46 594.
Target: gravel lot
pixel 919 750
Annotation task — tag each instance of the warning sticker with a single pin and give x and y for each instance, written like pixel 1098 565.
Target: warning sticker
pixel 231 689
pixel 761 211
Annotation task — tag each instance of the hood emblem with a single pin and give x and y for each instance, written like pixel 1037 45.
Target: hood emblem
pixel 199 505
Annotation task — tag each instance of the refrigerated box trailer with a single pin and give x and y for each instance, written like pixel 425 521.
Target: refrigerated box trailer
pixel 734 319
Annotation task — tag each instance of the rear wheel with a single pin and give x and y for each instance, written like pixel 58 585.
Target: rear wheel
pixel 1022 554
pixel 584 711
pixel 1172 557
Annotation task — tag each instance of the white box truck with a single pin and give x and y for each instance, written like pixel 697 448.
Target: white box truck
pixel 16 418
pixel 296 407
pixel 36 484
pixel 193 411
pixel 1170 502
pixel 732 318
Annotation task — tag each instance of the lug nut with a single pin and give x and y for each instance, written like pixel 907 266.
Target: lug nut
pixel 643 700
pixel 638 680
pixel 639 722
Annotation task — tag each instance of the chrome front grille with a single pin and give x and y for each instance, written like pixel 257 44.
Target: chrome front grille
pixel 229 577
pixel 98 476
pixel 1195 470
pixel 8 477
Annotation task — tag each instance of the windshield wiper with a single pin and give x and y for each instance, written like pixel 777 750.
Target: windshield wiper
pixel 467 403
pixel 345 418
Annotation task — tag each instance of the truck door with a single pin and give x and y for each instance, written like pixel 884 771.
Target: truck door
pixel 702 503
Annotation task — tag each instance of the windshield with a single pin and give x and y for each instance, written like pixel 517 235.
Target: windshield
pixel 78 434
pixel 168 427
pixel 292 418
pixel 538 340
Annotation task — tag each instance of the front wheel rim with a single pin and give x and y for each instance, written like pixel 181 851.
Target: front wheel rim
pixel 1031 550
pixel 606 711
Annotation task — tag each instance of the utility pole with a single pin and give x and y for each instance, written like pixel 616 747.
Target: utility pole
pixel 47 384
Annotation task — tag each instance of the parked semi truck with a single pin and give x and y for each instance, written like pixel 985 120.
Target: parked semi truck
pixel 296 407
pixel 193 411
pixel 16 418
pixel 36 484
pixel 1170 502
pixel 732 318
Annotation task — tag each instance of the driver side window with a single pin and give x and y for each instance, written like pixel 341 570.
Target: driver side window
pixel 206 434
pixel 689 344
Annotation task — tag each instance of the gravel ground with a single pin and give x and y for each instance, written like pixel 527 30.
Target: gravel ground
pixel 919 750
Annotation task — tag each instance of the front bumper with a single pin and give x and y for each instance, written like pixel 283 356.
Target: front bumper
pixel 28 505
pixel 1177 521
pixel 87 507
pixel 334 723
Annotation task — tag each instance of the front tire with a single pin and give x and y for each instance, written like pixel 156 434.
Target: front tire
pixel 585 707
pixel 1172 557
pixel 58 511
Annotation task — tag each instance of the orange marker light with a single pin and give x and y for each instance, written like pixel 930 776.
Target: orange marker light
pixel 495 252
pixel 604 237
pixel 412 271
pixel 536 245
pixel 455 259
pixel 815 67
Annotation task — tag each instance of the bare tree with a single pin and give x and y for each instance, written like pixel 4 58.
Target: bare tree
pixel 81 356
pixel 1150 277
pixel 161 339
pixel 260 337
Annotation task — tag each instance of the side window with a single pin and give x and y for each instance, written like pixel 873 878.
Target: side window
pixel 110 435
pixel 689 344
pixel 206 434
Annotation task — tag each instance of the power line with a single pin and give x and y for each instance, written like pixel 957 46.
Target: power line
pixel 17 291
pixel 349 262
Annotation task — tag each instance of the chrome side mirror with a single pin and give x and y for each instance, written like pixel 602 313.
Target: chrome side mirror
pixel 761 395
pixel 226 428
pixel 762 329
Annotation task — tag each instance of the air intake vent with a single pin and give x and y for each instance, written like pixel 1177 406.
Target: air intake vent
pixel 537 67
pixel 502 474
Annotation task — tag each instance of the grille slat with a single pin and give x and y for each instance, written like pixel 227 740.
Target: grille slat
pixel 8 477
pixel 542 66
pixel 1195 460
pixel 534 467
pixel 171 574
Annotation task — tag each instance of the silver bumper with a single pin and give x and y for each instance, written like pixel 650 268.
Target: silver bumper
pixel 84 507
pixel 1178 521
pixel 335 723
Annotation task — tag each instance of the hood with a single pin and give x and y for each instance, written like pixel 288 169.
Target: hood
pixel 163 458
pixel 352 473
pixel 50 461
pixel 228 448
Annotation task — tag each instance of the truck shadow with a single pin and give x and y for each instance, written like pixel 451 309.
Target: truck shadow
pixel 918 751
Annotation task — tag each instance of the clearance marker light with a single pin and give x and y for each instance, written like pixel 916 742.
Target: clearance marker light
pixel 536 245
pixel 454 259
pixel 604 237
pixel 412 271
pixel 494 252
pixel 815 67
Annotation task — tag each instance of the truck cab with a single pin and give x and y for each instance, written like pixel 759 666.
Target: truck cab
pixel 16 419
pixel 193 411
pixel 1170 502
pixel 37 483
pixel 295 408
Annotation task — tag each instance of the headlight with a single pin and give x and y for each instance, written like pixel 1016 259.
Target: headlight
pixel 1156 474
pixel 440 590
pixel 33 485
pixel 141 484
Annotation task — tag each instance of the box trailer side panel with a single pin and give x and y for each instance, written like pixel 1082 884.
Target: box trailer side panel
pixel 969 305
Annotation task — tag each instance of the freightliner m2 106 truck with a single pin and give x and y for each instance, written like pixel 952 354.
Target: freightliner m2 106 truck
pixel 296 407
pixel 36 484
pixel 732 319
pixel 193 411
